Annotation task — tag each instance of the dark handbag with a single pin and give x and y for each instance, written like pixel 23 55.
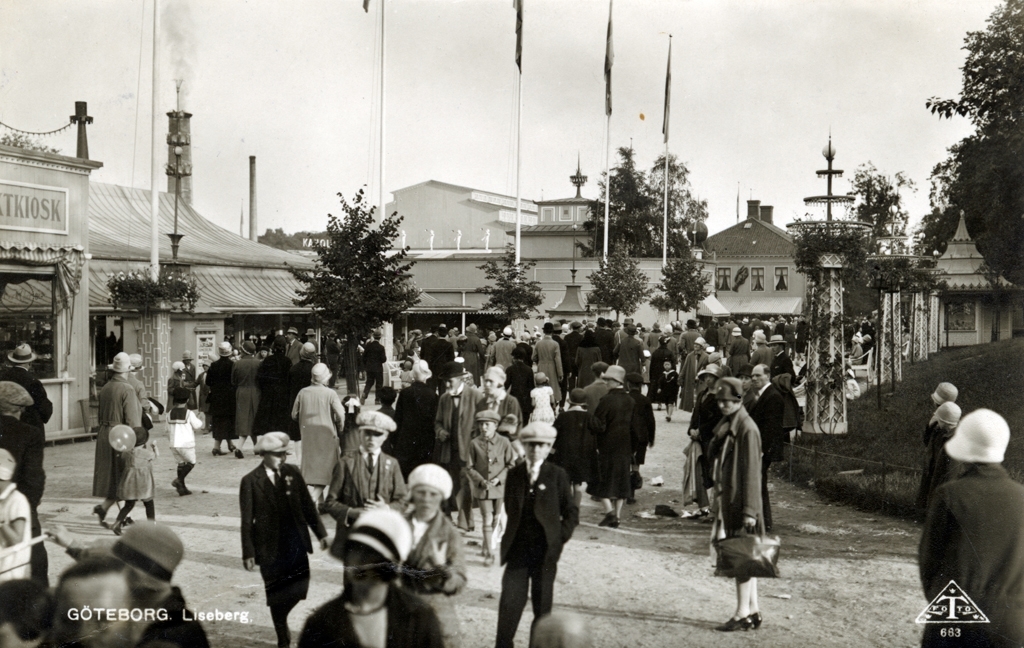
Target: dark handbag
pixel 636 482
pixel 748 556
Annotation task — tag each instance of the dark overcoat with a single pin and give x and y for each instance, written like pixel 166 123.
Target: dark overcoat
pixel 222 392
pixel 553 506
pixel 413 440
pixel 39 412
pixel 411 623
pixel 767 412
pixel 973 536
pixel 262 517
pixel 274 413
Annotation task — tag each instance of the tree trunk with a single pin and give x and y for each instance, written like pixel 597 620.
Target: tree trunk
pixel 352 364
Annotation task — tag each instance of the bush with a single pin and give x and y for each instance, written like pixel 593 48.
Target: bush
pixel 987 375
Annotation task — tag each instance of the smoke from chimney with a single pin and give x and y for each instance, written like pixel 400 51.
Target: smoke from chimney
pixel 253 233
pixel 179 133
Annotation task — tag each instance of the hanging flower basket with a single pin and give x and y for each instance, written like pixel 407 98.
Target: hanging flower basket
pixel 136 290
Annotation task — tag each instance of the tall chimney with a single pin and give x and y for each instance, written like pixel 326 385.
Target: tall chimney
pixel 253 233
pixel 766 213
pixel 180 134
pixel 753 211
pixel 81 118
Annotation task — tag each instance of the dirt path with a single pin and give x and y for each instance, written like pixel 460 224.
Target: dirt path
pixel 848 578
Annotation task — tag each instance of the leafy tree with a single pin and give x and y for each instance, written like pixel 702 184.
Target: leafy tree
pixel 619 284
pixel 359 281
pixel 636 209
pixel 683 285
pixel 24 141
pixel 510 290
pixel 879 201
pixel 984 173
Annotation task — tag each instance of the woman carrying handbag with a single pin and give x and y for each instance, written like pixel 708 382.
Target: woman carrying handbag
pixel 738 530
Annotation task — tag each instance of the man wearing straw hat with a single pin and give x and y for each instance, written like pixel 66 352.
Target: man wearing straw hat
pixel 20 372
pixel 25 443
pixel 781 364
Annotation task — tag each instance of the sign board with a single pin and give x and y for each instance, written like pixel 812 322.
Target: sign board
pixel 33 208
pixel 206 347
pixel 205 326
pixel 310 242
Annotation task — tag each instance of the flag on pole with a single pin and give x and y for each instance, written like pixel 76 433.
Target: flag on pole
pixel 668 89
pixel 366 6
pixel 518 6
pixel 609 58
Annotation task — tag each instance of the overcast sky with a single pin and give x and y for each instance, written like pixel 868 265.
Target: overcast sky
pixel 756 87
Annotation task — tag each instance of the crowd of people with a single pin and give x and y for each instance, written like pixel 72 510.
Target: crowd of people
pixel 522 432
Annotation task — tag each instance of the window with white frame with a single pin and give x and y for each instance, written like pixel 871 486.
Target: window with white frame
pixel 757 279
pixel 782 279
pixel 722 277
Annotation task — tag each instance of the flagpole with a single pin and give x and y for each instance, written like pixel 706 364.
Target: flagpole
pixel 607 182
pixel 383 85
pixel 609 58
pixel 664 128
pixel 154 192
pixel 519 165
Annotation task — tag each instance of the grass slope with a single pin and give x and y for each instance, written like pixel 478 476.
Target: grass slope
pixel 989 375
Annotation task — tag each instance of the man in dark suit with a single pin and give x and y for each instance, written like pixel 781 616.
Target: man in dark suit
pixel 572 343
pixel 542 515
pixel 374 358
pixel 414 417
pixel 781 363
pixel 629 352
pixel 605 340
pixel 20 372
pixel 454 424
pixel 438 352
pixel 25 443
pixel 766 409
pixel 276 509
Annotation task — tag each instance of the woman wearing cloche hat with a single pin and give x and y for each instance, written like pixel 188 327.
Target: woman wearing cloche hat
pixel 738 507
pixel 973 537
pixel 435 568
pixel 320 414
pixel 373 610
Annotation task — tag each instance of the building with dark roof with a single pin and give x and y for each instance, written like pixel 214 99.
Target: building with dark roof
pixel 755 270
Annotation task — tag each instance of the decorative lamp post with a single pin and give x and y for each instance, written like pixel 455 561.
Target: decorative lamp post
pixel 826 401
pixel 177 171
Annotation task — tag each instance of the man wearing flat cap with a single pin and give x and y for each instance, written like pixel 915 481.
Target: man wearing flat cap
pixel 25 443
pixel 454 424
pixel 20 371
pixel 247 392
pixel 277 515
pixel 542 515
pixel 365 480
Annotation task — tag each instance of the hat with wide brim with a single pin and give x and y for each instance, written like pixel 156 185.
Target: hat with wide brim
pixel 713 370
pixel 122 363
pixel 21 354
pixel 616 373
pixel 777 339
pixel 729 388
pixel 454 369
pixel 224 349
pixel 981 437
pixel 292 330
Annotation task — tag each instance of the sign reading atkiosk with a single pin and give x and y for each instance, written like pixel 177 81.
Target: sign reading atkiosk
pixel 33 208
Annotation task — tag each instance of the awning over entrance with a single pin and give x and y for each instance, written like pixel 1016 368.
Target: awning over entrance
pixel 711 307
pixel 428 304
pixel 222 289
pixel 761 305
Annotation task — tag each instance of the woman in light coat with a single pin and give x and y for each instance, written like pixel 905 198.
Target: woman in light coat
pixel 435 568
pixel 320 414
pixel 738 508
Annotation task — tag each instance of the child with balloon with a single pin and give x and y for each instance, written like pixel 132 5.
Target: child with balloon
pixel 137 481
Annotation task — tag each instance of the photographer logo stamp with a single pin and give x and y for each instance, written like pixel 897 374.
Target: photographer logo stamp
pixel 952 605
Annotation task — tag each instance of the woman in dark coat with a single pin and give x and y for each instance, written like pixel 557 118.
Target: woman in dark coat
pixel 939 468
pixel 275 412
pixel 519 380
pixel 739 351
pixel 694 362
pixel 222 400
pixel 587 353
pixel 738 508
pixel 612 424
pixel 413 440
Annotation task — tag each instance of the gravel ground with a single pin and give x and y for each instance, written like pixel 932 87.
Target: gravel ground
pixel 848 578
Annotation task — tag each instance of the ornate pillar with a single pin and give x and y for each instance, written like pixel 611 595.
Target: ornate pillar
pixel 933 322
pixel 891 344
pixel 155 347
pixel 826 401
pixel 919 322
